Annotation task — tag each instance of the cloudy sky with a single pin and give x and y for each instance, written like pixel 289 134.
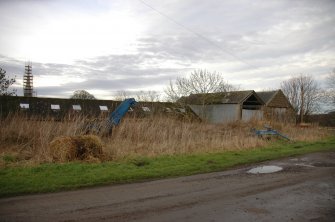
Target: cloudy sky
pixel 107 46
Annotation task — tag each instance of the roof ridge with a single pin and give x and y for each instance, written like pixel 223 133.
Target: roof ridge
pixel 250 92
pixel 273 94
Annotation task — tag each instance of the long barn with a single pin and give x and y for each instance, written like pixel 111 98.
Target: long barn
pixel 61 108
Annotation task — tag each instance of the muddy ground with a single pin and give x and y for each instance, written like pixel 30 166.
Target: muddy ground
pixel 303 191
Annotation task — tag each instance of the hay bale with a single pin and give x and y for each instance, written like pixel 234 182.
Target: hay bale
pixel 62 149
pixel 88 146
pixel 68 148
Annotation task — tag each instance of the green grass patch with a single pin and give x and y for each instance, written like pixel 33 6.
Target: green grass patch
pixel 55 177
pixel 9 158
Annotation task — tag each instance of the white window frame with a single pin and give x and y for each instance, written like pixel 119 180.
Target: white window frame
pixel 146 109
pixel 76 107
pixel 55 107
pixel 103 108
pixel 24 105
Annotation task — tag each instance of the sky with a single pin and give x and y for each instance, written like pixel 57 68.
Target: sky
pixel 105 47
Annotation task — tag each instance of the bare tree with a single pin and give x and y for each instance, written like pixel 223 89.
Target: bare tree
pixel 122 95
pixel 144 96
pixel 148 96
pixel 5 83
pixel 82 94
pixel 330 92
pixel 304 93
pixel 199 82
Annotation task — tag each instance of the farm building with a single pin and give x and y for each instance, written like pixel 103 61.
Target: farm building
pixel 277 107
pixel 222 107
pixel 226 107
pixel 66 108
pixel 55 107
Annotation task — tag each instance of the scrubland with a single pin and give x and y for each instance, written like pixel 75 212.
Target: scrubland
pixel 35 140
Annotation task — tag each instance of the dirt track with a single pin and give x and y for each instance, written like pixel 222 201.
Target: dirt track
pixel 303 191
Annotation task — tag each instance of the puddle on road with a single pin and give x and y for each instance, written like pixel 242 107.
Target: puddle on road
pixel 265 169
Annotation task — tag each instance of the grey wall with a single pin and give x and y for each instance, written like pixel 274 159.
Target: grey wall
pixel 248 115
pixel 218 113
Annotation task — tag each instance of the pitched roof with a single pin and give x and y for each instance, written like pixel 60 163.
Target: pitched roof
pixel 275 98
pixel 234 97
pixel 267 96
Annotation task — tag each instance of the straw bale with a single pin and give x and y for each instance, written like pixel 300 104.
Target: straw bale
pixel 66 148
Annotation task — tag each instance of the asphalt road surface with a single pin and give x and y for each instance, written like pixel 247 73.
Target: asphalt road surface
pixel 303 191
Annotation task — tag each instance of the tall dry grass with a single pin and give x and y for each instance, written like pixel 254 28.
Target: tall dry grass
pixel 161 135
pixel 29 140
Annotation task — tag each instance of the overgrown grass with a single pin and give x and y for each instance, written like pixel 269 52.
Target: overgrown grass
pixel 55 177
pixel 28 141
pixel 139 149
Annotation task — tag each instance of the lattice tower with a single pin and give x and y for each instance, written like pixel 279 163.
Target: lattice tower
pixel 28 80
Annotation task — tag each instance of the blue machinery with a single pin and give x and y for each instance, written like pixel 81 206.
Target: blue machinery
pixel 114 119
pixel 120 111
pixel 269 131
pixel 116 116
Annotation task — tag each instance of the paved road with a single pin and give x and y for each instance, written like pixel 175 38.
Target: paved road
pixel 303 191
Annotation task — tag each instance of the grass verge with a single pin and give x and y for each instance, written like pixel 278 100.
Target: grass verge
pixel 56 177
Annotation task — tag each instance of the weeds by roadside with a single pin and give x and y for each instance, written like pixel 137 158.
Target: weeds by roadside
pixel 28 141
pixel 66 176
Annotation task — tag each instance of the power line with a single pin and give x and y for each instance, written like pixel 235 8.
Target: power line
pixel 196 34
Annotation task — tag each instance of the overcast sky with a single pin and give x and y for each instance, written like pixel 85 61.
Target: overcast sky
pixel 106 46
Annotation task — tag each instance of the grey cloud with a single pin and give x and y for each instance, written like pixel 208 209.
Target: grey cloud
pixel 17 67
pixel 131 83
pixel 226 21
pixel 108 73
pixel 241 28
pixel 54 91
pixel 187 49
pixel 109 85
pixel 12 66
